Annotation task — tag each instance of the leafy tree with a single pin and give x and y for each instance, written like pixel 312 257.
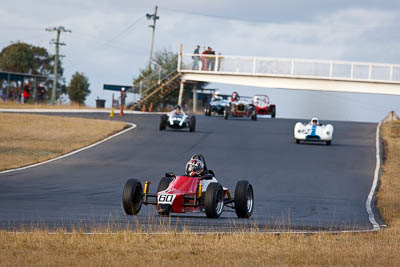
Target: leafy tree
pixel 78 88
pixel 25 58
pixel 164 62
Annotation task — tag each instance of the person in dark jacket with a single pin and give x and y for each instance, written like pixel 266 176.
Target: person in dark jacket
pixel 41 91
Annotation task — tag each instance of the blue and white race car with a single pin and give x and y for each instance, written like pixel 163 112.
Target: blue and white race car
pixel 313 132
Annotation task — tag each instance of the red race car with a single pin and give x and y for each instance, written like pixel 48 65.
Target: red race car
pixel 196 191
pixel 264 106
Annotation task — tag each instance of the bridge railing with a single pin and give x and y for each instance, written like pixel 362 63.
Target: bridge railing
pixel 294 68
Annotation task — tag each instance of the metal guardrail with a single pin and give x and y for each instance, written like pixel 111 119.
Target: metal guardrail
pixel 292 68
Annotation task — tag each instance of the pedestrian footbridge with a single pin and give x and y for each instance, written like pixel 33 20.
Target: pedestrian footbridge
pixel 286 73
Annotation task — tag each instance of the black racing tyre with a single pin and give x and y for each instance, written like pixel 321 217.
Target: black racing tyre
pixel 132 197
pixel 226 112
pixel 214 200
pixel 328 143
pixel 192 124
pixel 254 114
pixel 164 183
pixel 244 199
pixel 273 114
pixel 207 110
pixel 297 141
pixel 163 122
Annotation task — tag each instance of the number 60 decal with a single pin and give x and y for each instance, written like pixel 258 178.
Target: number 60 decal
pixel 165 199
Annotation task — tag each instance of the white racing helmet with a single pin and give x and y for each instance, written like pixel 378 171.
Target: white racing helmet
pixel 195 167
pixel 314 120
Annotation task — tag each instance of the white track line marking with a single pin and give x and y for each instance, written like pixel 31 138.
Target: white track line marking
pixel 375 183
pixel 133 126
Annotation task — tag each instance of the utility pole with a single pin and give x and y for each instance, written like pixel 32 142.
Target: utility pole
pixel 154 17
pixel 58 29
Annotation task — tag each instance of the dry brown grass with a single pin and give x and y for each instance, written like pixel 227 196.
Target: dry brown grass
pixel 389 192
pixel 127 248
pixel 27 139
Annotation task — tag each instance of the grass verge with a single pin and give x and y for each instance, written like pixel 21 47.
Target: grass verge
pixel 27 139
pixel 128 248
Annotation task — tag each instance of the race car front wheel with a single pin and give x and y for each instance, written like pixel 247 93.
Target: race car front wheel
pixel 207 110
pixel 163 122
pixel 192 124
pixel 214 200
pixel 244 199
pixel 226 113
pixel 254 114
pixel 132 197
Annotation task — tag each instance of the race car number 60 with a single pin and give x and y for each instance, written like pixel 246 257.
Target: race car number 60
pixel 165 199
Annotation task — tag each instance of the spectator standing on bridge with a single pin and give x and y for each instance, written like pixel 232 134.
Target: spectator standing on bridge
pixel 27 92
pixel 41 91
pixel 196 58
pixel 211 60
pixel 204 59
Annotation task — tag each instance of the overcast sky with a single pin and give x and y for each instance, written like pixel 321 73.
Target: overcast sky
pixel 110 41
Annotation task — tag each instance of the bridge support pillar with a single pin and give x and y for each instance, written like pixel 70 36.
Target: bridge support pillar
pixel 181 93
pixel 195 98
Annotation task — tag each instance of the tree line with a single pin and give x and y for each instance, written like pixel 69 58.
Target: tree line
pixel 29 59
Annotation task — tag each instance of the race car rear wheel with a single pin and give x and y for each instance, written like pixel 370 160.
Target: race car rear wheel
pixel 192 124
pixel 328 143
pixel 297 141
pixel 214 200
pixel 273 114
pixel 244 199
pixel 164 183
pixel 163 122
pixel 132 197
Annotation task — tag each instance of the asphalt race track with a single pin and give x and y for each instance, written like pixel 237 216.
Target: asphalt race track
pixel 296 186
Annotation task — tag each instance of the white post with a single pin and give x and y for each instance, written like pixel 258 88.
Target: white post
pixel 216 63
pixel 370 72
pixel 194 98
pixel 331 70
pixel 140 88
pixel 181 93
pixel 254 65
pixel 292 67
pixel 159 75
pixel 179 58
pixel 391 72
pixel 352 71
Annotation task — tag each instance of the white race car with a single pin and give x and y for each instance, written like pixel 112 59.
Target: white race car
pixel 313 132
pixel 178 120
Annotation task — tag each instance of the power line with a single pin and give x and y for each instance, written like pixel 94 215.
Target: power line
pixel 129 28
pixel 336 28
